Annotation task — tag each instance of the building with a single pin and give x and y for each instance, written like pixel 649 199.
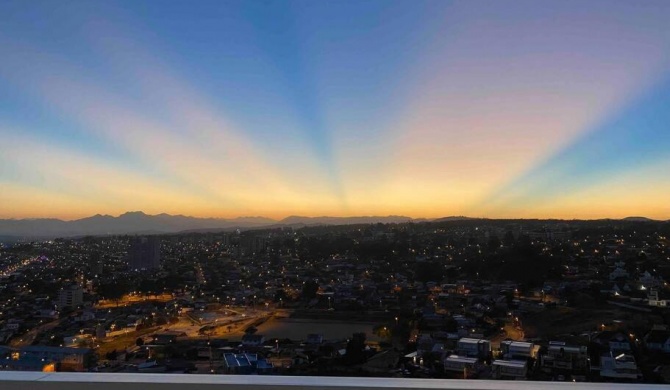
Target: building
pixel 517 349
pixel 245 363
pixel 144 253
pixel 565 357
pixel 461 364
pixel 478 348
pixel 616 342
pixel 621 367
pixel 653 299
pixel 66 359
pixel 250 245
pixel 95 263
pixel 27 364
pixel 514 369
pixel 658 340
pixel 70 296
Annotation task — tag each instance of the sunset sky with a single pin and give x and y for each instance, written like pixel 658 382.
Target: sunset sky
pixel 221 108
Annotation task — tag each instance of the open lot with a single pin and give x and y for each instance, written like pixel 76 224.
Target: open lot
pixel 567 320
pixel 298 329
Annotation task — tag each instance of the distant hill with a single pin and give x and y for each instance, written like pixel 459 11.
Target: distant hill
pixel 137 222
pixel 128 223
pixel 638 219
pixel 297 220
pixel 460 218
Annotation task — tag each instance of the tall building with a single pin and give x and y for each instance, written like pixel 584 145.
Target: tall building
pixel 252 245
pixel 70 296
pixel 95 263
pixel 144 253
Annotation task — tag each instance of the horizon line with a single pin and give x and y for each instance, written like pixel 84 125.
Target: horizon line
pixel 279 220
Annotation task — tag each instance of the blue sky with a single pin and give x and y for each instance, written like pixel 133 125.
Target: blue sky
pixel 229 108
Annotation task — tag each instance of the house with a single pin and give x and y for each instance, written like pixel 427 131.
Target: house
pixel 653 299
pixel 648 280
pixel 616 341
pixel 560 356
pixel 245 364
pixel 85 316
pixel 515 369
pixel 658 340
pixel 425 344
pixel 238 364
pixel 620 367
pixel 13 325
pixel 460 364
pixel 470 347
pixel 517 349
pixel 381 362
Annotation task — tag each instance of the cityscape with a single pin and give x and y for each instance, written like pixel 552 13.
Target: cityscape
pixel 450 298
pixel 453 194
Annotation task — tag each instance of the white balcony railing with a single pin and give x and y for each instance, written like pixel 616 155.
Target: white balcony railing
pixel 96 381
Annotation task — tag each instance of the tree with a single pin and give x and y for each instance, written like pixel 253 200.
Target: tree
pixel 280 295
pixel 429 271
pixel 114 290
pixel 113 355
pixel 309 289
pixel 355 351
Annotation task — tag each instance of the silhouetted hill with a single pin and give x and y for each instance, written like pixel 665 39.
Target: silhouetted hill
pixel 638 219
pixel 459 218
pixel 128 223
pixel 297 220
pixel 137 222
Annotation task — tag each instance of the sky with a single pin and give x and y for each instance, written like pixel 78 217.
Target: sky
pixel 498 109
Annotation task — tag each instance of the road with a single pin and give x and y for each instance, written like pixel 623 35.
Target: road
pixel 509 332
pixel 32 334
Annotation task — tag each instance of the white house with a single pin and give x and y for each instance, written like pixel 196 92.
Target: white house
pixel 622 366
pixel 517 349
pixel 653 299
pixel 565 357
pixel 516 369
pixel 460 364
pixel 470 347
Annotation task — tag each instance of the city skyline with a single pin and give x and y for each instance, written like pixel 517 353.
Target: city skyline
pixel 424 109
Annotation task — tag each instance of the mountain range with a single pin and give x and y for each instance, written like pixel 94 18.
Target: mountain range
pixel 137 222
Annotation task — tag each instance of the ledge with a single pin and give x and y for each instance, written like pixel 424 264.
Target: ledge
pixel 113 381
